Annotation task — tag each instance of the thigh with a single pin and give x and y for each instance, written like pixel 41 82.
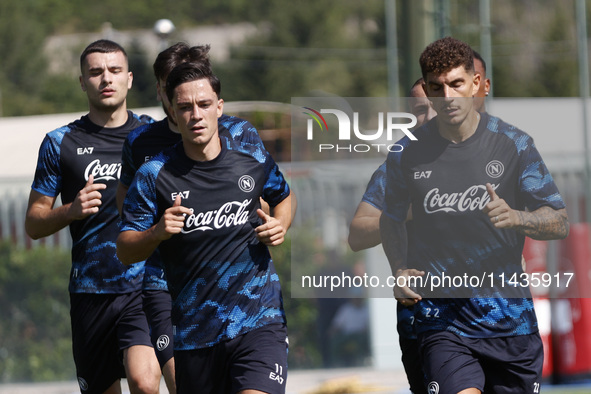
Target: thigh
pixel 514 364
pixel 202 370
pixel 259 360
pixel 94 342
pixel 133 336
pixel 449 363
pixel 132 325
pixel 157 306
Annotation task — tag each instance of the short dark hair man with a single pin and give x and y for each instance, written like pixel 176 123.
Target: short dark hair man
pixel 485 188
pixel 81 162
pixel 199 204
pixel 141 145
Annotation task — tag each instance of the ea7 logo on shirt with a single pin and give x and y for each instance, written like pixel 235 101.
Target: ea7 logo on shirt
pixel 422 174
pixel 85 151
pixel 184 195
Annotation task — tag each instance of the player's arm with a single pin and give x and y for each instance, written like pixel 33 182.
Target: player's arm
pixel 134 246
pixel 394 236
pixel 364 231
pixel 544 223
pixel 272 231
pixel 42 219
pixel 120 195
pixel 293 204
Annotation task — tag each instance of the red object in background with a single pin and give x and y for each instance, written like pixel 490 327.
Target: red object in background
pixel 535 254
pixel 571 311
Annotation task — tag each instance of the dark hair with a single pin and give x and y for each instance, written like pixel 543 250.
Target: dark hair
pixel 188 72
pixel 101 46
pixel 444 55
pixel 179 53
pixel 477 56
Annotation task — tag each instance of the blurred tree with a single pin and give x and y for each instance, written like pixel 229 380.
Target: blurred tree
pixel 557 71
pixel 23 64
pixel 143 91
pixel 35 339
pixel 310 46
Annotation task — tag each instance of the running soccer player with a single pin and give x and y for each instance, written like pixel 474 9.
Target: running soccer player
pixel 81 162
pixel 484 86
pixel 364 232
pixel 199 204
pixel 477 187
pixel 141 145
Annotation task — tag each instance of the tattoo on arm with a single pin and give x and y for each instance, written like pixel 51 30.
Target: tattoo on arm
pixel 544 223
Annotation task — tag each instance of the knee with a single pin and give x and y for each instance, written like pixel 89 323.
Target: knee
pixel 144 383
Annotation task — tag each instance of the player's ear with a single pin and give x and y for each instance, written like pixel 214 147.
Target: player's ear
pixel 220 107
pixel 172 114
pixel 82 85
pixel 476 83
pixel 158 94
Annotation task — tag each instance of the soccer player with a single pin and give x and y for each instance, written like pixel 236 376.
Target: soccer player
pixel 477 186
pixel 364 232
pixel 484 87
pixel 81 162
pixel 199 204
pixel 141 145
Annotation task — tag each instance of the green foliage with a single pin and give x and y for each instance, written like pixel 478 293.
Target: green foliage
pixel 143 93
pixel 301 314
pixel 306 47
pixel 327 46
pixel 35 339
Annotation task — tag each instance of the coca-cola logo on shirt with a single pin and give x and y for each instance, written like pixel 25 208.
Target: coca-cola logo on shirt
pixel 232 213
pixel 105 172
pixel 474 198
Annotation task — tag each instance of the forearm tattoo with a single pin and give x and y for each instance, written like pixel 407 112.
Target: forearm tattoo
pixel 544 223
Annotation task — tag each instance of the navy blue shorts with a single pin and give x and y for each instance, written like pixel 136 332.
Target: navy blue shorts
pixel 157 306
pixel 103 325
pixel 493 365
pixel 411 360
pixel 256 360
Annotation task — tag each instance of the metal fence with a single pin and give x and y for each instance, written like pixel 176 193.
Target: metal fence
pixel 338 186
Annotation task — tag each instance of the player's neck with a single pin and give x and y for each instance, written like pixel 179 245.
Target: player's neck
pixel 107 118
pixel 173 127
pixel 463 131
pixel 203 152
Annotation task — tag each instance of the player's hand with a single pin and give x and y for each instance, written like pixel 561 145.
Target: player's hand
pixel 88 200
pixel 271 232
pixel 173 220
pixel 404 294
pixel 499 212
